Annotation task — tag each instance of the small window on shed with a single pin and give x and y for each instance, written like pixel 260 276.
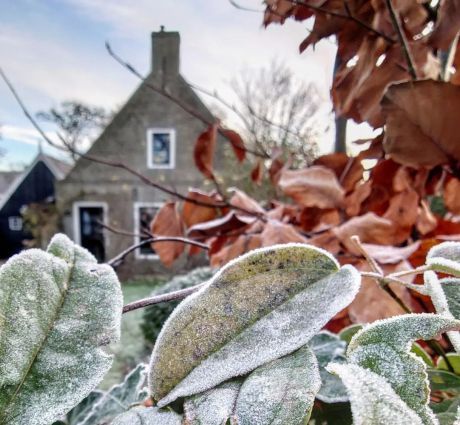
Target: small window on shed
pixel 15 223
pixel 161 148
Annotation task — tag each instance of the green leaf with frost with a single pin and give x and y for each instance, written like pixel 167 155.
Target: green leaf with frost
pixel 418 350
pixel 281 392
pixel 118 399
pixel 259 307
pixel 213 407
pixel 442 380
pixel 383 347
pixel 148 416
pixel 451 288
pixel 328 348
pixel 82 409
pixel 445 258
pixel 447 411
pixel 58 310
pixel 373 400
pixel 349 332
pixel 454 360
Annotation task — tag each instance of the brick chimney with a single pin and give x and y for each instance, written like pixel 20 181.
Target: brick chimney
pixel 165 53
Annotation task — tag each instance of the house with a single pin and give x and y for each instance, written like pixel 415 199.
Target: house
pixel 36 184
pixel 151 134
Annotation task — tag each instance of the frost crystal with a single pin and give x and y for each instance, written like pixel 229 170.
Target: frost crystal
pixel 384 348
pixel 373 401
pixel 57 310
pixel 260 307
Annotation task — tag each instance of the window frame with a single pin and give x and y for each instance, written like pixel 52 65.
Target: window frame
pixel 137 239
pixel 76 218
pixel 172 156
pixel 13 220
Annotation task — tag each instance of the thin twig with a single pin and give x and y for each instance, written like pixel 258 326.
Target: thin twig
pixel 402 39
pixel 372 263
pixel 114 262
pixel 190 110
pixel 170 296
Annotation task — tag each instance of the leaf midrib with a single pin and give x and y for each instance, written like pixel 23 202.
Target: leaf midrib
pixel 53 321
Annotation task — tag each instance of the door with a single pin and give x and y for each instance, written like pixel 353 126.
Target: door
pixel 91 232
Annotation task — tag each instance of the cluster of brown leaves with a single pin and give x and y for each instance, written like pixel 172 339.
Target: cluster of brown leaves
pixel 388 206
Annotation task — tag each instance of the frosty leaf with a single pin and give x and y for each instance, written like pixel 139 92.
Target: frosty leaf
pixel 454 360
pixel 118 399
pixel 383 348
pixel 82 409
pixel 446 411
pixel 259 307
pixel 451 288
pixel 213 407
pixel 329 348
pixel 349 332
pixel 59 308
pixel 148 416
pixel 373 400
pixel 445 258
pixel 281 392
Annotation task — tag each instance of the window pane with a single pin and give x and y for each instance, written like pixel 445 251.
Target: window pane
pixel 146 215
pixel 161 148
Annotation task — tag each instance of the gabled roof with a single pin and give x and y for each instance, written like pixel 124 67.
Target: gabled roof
pixel 10 181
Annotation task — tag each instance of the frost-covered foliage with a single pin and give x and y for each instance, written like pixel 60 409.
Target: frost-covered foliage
pixel 246 349
pixel 156 315
pixel 58 310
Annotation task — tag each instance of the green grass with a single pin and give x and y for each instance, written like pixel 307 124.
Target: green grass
pixel 131 349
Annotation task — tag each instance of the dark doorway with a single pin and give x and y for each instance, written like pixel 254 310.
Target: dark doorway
pixel 91 230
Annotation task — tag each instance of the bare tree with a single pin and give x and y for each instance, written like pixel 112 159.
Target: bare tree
pixel 278 111
pixel 76 122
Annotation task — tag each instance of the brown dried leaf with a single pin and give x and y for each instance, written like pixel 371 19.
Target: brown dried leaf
pixel 167 222
pixel 388 254
pixel 257 172
pixel 203 153
pixel 317 219
pixel 447 24
pixel 348 170
pixel 426 221
pixel 231 222
pixel 452 195
pixel 276 232
pixel 242 200
pixel 241 245
pixel 369 227
pixel 355 199
pixel 193 213
pixel 315 186
pixel 237 143
pixel 420 129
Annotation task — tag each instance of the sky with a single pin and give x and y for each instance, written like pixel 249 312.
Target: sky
pixel 53 50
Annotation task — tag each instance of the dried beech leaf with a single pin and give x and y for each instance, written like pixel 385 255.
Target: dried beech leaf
pixel 384 348
pixel 420 131
pixel 237 143
pixel 452 195
pixel 373 400
pixel 58 309
pixel 148 416
pixel 276 232
pixel 167 222
pixel 447 24
pixel 280 392
pixel 193 214
pixel 388 254
pixel 316 186
pixel 259 307
pixel 242 200
pixel 203 153
pixel 230 222
pixel 257 172
pixel 328 348
pixel 445 258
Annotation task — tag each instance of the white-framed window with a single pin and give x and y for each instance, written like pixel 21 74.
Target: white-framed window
pixel 161 148
pixel 15 223
pixel 143 215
